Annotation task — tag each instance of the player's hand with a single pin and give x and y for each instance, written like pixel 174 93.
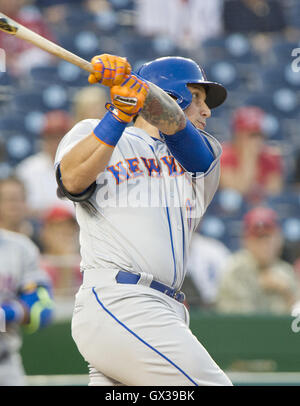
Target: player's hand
pixel 128 98
pixel 109 70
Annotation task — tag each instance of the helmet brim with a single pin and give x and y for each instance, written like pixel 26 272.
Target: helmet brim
pixel 215 93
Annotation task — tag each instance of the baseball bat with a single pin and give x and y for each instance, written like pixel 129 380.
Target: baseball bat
pixel 11 27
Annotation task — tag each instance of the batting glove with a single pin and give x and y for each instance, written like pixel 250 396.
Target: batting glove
pixel 109 70
pixel 128 98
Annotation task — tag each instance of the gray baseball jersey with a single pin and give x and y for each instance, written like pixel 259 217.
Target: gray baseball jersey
pixel 19 267
pixel 139 219
pixel 145 206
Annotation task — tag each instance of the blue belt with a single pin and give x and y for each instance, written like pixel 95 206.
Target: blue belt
pixel 132 278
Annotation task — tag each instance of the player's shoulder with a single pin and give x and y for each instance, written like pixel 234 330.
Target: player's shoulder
pixel 83 126
pixel 78 132
pixel 16 240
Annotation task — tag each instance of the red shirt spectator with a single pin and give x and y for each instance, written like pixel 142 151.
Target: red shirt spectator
pixel 247 163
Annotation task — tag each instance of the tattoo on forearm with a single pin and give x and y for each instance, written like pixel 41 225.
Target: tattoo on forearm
pixel 162 111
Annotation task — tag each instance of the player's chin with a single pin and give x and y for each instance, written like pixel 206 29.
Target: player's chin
pixel 199 125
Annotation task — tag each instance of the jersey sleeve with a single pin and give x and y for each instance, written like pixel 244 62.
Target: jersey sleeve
pixel 80 131
pixel 205 184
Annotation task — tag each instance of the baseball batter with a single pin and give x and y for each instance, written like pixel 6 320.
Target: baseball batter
pixel 139 192
pixel 25 298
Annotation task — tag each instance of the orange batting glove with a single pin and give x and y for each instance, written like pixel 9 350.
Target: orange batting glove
pixel 128 98
pixel 109 70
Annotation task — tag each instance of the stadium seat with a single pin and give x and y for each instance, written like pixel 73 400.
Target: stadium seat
pixel 55 97
pixel 239 49
pixel 27 100
pixel 228 231
pixel 281 51
pixel 6 79
pixel 282 102
pixel 291 229
pixel 224 72
pixel 228 203
pixel 280 76
pixel 71 75
pixel 50 97
pixel 19 147
pixel 44 75
pixel 214 49
pixel 287 204
pixel 122 4
pixel 139 49
pixel 79 17
pixel 12 123
pixel 33 122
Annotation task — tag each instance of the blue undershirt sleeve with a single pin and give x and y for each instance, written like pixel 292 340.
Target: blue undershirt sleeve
pixel 191 149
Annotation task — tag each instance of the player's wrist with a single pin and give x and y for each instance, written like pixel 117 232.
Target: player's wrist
pixel 109 130
pixel 14 311
pixel 118 114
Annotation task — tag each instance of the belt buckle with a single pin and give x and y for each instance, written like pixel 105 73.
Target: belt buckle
pixel 179 296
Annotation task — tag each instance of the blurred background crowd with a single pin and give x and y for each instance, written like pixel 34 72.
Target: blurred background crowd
pixel 245 255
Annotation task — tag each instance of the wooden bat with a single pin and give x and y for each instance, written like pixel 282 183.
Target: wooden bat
pixel 13 28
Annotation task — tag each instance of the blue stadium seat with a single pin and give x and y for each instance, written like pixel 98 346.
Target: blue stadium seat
pixel 12 123
pixel 79 17
pixel 287 204
pixel 273 127
pixel 139 49
pixel 19 147
pixel 228 203
pixel 48 98
pixel 107 22
pixel 281 102
pixel 224 72
pixel 122 4
pixel 239 49
pixel 291 229
pixel 71 75
pixel 33 122
pixel 28 100
pixel 281 51
pixel 55 97
pixel 214 49
pixel 228 231
pixel 6 79
pixel 44 75
pixel 293 13
pixel 280 76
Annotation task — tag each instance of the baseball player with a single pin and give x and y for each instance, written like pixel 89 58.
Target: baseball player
pixel 25 299
pixel 139 192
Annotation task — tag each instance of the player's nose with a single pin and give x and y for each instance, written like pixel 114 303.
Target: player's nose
pixel 205 111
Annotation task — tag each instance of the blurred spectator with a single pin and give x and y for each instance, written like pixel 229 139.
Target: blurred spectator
pixel 256 280
pixel 25 299
pixel 60 250
pixel 248 165
pixel 55 12
pixel 204 270
pixel 179 20
pixel 37 171
pixel 13 207
pixel 21 55
pixel 89 102
pixel 253 16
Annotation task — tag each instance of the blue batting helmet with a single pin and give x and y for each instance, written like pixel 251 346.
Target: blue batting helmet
pixel 174 73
